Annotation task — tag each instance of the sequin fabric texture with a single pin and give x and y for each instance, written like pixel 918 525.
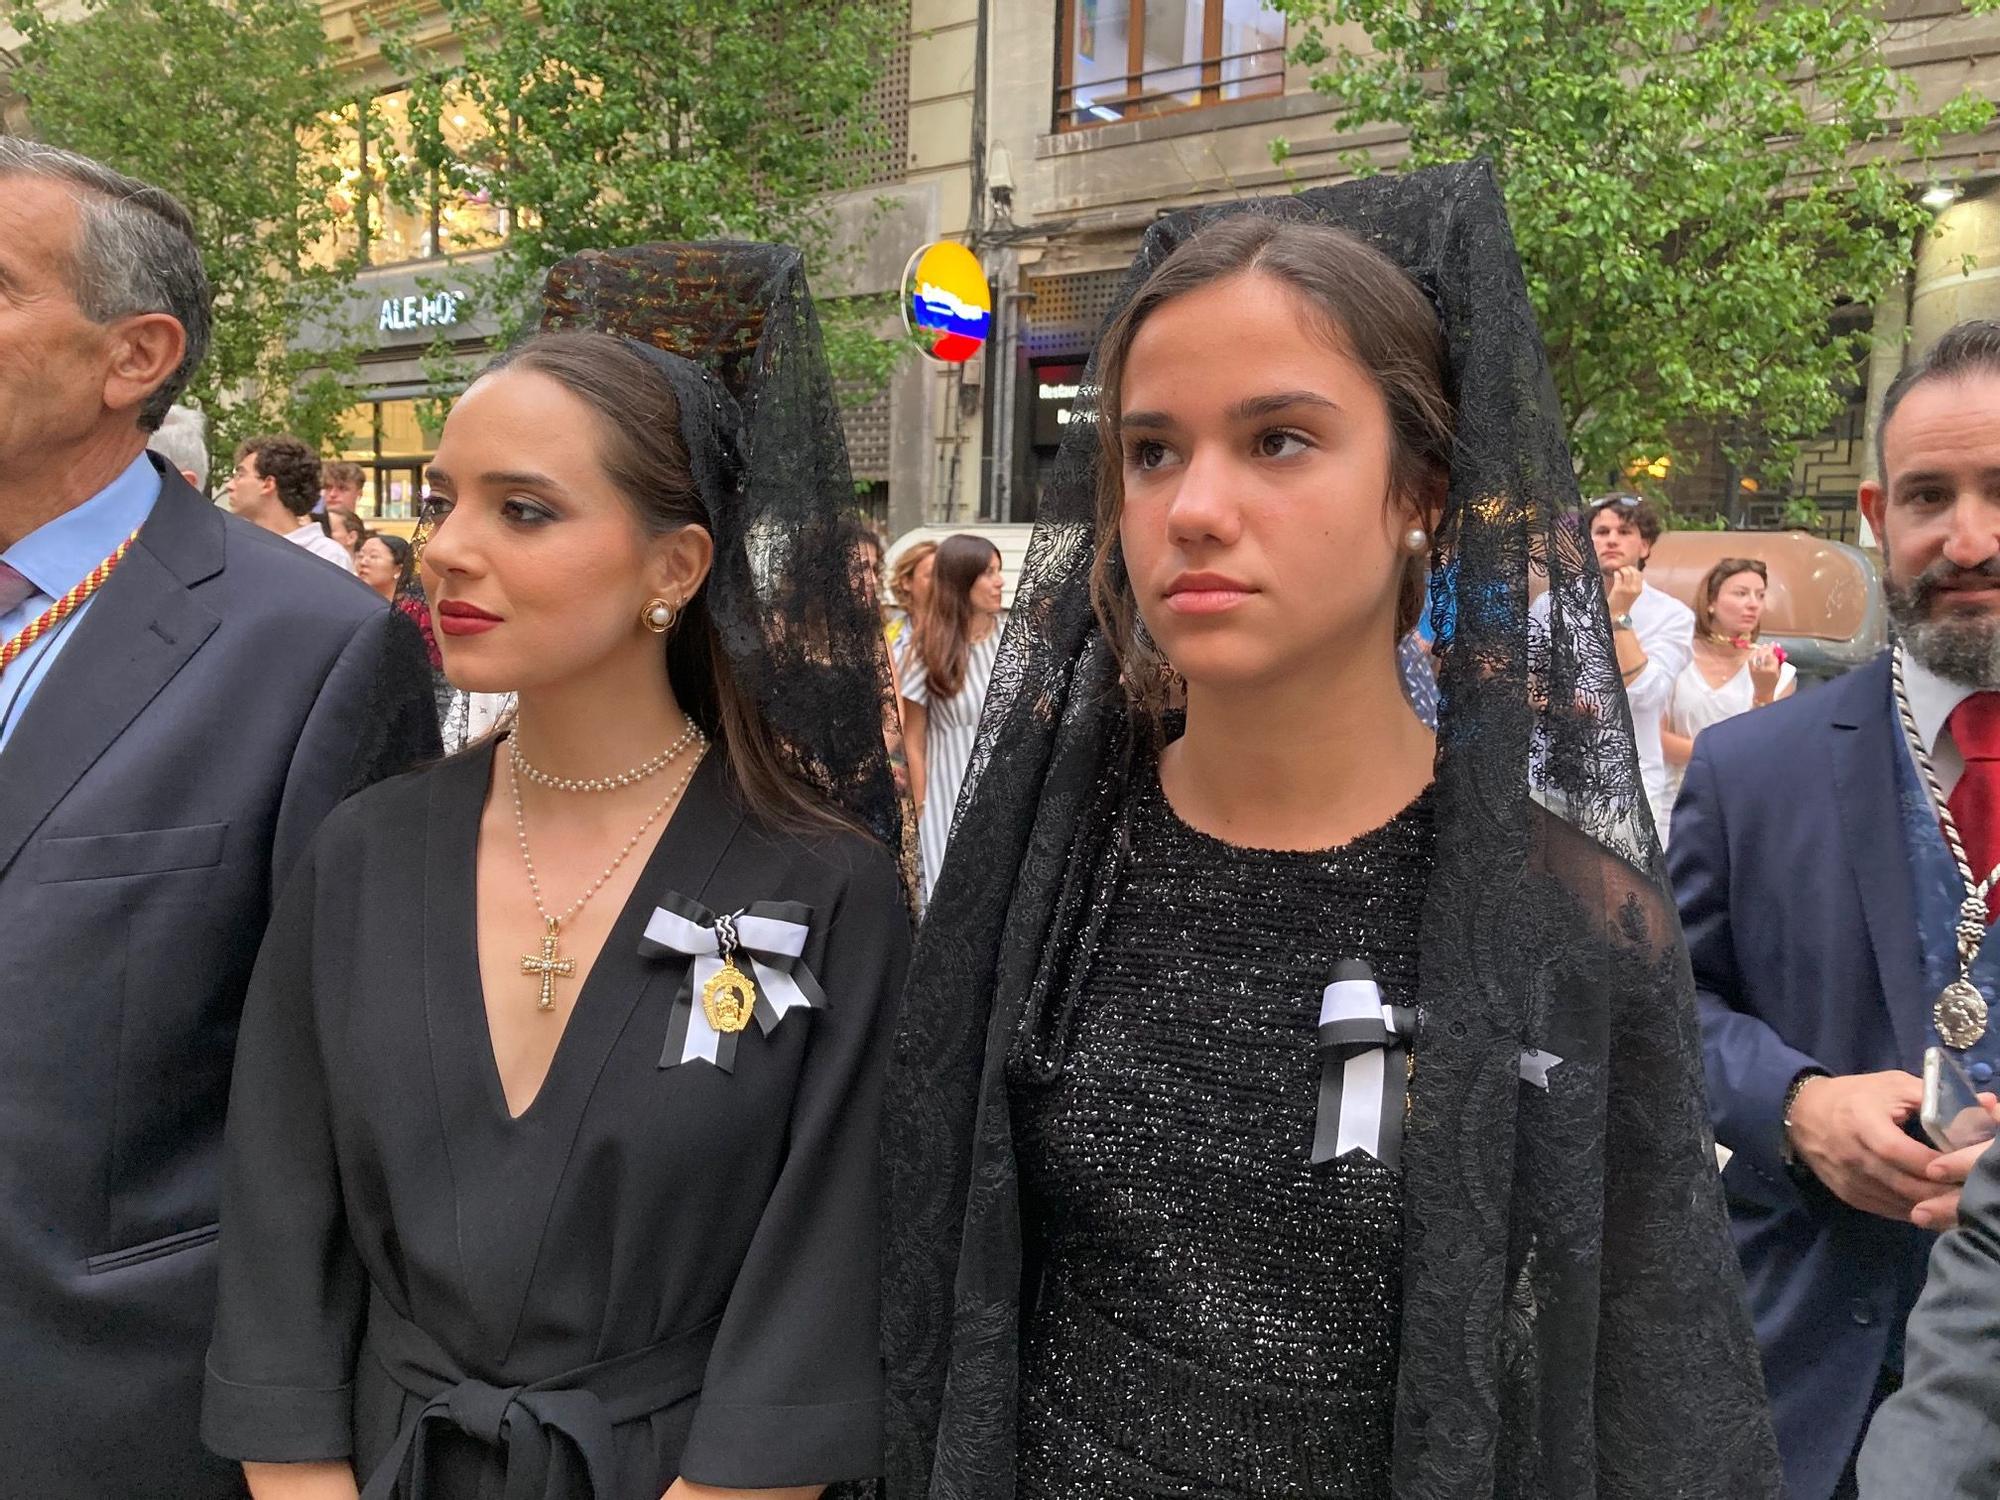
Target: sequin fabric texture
pixel 1212 1314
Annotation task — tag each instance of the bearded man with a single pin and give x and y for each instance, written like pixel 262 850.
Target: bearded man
pixel 1816 857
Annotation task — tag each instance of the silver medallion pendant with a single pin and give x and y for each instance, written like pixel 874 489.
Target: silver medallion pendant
pixel 1960 1014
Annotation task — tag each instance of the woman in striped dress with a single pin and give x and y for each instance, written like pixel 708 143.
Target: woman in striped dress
pixel 944 684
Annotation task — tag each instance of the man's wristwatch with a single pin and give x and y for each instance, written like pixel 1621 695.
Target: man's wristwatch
pixel 1787 1152
pixel 1623 622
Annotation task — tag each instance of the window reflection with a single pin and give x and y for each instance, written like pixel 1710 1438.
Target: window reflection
pixel 392 446
pixel 387 210
pixel 399 217
pixel 1129 58
pixel 336 148
pixel 470 216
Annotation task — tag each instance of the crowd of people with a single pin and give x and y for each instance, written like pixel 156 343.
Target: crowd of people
pixel 469 1035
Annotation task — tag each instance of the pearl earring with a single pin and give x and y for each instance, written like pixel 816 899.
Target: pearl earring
pixel 1416 539
pixel 658 616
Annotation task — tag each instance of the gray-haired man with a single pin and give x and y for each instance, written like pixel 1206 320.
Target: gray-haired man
pixel 183 442
pixel 182 699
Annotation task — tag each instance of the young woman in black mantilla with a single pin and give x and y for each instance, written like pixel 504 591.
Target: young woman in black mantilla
pixel 1317 1112
pixel 554 1139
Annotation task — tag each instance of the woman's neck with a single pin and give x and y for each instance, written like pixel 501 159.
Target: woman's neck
pixel 603 722
pixel 1308 762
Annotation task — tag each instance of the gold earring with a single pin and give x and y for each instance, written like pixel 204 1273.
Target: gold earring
pixel 659 615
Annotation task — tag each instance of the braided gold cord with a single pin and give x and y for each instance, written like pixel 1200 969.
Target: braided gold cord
pixel 66 606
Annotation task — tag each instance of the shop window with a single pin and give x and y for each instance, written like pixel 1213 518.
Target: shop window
pixel 387 215
pixel 1126 59
pixel 392 445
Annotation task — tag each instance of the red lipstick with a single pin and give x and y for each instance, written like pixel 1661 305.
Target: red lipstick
pixel 456 617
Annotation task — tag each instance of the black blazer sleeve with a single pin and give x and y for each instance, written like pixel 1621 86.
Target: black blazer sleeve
pixel 292 1288
pixel 374 718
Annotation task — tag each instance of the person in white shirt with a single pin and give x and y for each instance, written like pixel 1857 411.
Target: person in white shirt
pixel 275 485
pixel 1732 671
pixel 1652 630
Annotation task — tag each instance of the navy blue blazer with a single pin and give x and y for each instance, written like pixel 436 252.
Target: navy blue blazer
pixel 224 691
pixel 1790 868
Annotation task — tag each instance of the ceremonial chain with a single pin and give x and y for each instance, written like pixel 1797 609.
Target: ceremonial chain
pixel 549 965
pixel 1960 1011
pixel 66 606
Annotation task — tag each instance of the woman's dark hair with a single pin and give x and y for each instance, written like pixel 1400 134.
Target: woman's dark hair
pixel 644 455
pixel 1711 585
pixel 945 639
pixel 406 558
pixel 1367 307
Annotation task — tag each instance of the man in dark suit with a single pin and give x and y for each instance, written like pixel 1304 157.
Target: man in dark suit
pixel 182 699
pixel 1821 901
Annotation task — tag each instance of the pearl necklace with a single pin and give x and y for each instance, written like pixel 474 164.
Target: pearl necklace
pixel 600 783
pixel 550 966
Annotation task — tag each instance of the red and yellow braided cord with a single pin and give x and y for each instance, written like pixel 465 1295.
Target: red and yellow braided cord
pixel 66 606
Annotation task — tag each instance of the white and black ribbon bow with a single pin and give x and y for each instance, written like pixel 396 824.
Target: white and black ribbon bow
pixel 1363 1071
pixel 770 935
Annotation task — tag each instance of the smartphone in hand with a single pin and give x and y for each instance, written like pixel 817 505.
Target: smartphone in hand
pixel 1952 1115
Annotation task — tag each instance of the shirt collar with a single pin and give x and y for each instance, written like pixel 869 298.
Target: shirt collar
pixel 59 554
pixel 1932 698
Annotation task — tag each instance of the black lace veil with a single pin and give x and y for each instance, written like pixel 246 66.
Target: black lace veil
pixel 733 327
pixel 1573 1325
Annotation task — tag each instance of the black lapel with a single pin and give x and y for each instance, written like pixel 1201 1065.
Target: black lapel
pixel 139 631
pixel 1864 741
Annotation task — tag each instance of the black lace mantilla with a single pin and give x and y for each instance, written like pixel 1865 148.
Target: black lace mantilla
pixel 803 634
pixel 1571 1326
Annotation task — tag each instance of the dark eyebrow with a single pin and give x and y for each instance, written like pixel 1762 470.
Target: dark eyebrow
pixel 1905 482
pixel 519 476
pixel 1247 410
pixel 1264 406
pixel 435 475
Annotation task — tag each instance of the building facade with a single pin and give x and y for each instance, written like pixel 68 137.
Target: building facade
pixel 1047 135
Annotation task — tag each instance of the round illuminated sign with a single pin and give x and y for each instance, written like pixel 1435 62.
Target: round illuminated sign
pixel 946 305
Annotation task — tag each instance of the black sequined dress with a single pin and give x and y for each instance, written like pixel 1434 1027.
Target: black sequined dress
pixel 1212 1314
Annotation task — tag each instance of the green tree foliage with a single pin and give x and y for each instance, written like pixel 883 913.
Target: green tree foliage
pixel 1695 186
pixel 613 122
pixel 220 102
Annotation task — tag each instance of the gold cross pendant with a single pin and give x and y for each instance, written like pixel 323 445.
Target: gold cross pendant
pixel 548 966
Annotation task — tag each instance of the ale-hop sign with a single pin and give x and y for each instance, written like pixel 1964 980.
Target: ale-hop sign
pixel 946 304
pixel 420 310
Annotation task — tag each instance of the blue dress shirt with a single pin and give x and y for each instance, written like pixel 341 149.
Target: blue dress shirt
pixel 55 557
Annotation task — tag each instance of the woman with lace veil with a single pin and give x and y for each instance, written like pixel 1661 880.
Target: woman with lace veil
pixel 1313 1106
pixel 553 1147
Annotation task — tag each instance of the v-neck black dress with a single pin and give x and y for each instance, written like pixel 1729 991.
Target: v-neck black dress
pixel 653 1271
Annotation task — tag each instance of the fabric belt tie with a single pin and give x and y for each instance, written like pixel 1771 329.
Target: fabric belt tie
pixel 550 1435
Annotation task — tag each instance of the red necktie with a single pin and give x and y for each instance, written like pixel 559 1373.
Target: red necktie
pixel 13 588
pixel 1975 801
